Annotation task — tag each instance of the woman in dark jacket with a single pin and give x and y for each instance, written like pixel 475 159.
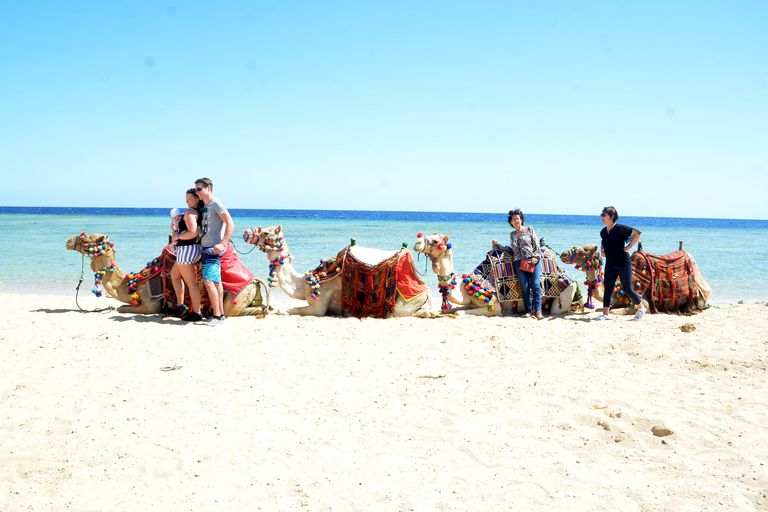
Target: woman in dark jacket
pixel 615 250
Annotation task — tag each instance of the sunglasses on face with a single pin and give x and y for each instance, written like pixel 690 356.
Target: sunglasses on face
pixel 198 189
pixel 603 214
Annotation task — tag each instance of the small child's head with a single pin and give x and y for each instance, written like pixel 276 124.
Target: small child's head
pixel 176 215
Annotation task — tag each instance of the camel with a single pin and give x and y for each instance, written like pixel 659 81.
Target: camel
pixel 143 291
pixel 659 285
pixel 322 287
pixel 586 258
pixel 456 289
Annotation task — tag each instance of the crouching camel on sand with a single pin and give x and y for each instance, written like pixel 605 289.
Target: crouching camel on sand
pixel 666 283
pixel 358 281
pixel 494 281
pixel 149 291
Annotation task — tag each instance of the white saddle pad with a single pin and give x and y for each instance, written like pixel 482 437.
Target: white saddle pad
pixel 371 256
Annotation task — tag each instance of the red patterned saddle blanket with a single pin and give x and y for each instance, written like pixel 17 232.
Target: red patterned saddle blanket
pixel 670 278
pixel 370 289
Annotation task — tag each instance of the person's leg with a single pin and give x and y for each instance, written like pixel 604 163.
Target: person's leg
pixel 213 295
pixel 178 285
pixel 626 278
pixel 220 291
pixel 212 275
pixel 188 274
pixel 609 283
pixel 523 277
pixel 535 285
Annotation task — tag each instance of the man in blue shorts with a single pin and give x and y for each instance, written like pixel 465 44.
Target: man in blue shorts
pixel 217 231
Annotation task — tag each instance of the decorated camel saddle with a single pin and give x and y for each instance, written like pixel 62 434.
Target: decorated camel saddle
pixel 371 280
pixel 358 281
pixel 494 280
pixel 150 291
pixel 667 283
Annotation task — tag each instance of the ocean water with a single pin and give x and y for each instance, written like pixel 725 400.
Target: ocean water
pixel 731 253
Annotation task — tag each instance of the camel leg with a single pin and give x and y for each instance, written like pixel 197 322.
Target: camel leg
pixel 425 310
pixel 141 309
pixel 425 313
pixel 563 305
pixel 419 307
pixel 480 312
pixel 317 307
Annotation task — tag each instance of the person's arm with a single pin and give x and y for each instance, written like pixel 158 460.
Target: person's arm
pixel 602 247
pixel 227 218
pixel 497 245
pixel 635 237
pixel 190 219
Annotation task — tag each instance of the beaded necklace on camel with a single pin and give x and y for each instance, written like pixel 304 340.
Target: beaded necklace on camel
pixel 314 277
pixel 95 250
pixel 449 280
pixel 252 236
pixel 445 289
pixel 594 263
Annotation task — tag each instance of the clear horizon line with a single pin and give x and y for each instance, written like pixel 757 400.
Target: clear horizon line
pixel 393 211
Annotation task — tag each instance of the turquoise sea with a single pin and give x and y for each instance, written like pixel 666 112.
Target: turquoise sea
pixel 731 253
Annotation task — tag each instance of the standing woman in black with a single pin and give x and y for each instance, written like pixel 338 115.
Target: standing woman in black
pixel 615 250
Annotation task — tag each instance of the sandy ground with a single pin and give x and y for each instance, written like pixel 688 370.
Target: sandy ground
pixel 460 414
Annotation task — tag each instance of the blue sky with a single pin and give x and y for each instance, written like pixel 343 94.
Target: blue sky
pixel 657 108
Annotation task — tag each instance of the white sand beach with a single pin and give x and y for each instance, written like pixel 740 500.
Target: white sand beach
pixel 111 411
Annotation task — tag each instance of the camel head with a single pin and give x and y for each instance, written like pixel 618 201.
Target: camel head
pixel 266 239
pixel 437 249
pixel 92 245
pixel 580 256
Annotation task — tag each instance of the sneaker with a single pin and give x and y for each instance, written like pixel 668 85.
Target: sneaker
pixel 215 320
pixel 601 317
pixel 527 315
pixel 539 316
pixel 180 311
pixel 193 317
pixel 640 313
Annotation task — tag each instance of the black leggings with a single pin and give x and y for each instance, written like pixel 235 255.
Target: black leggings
pixel 624 273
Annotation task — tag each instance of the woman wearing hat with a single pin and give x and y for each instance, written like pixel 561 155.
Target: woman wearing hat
pixel 185 237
